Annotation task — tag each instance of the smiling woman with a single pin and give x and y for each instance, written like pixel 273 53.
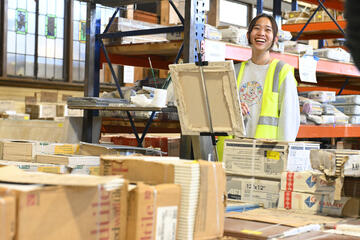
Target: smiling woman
pixel 267 87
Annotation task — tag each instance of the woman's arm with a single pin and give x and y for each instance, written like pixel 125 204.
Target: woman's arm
pixel 289 120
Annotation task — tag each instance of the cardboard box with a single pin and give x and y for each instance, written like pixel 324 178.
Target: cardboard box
pixel 331 161
pixel 92 149
pixel 8 215
pixel 153 212
pixel 41 111
pixel 86 169
pixel 320 203
pixel 46 97
pixel 37 167
pixel 209 223
pixel 83 207
pixel 307 182
pixel 69 160
pixel 56 148
pixel 245 189
pixel 351 187
pixel 266 158
pixel 153 170
pixel 23 151
pixel 352 166
pixel 62 110
pixel 6 106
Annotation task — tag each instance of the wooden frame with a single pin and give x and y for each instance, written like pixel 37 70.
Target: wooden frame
pixel 224 101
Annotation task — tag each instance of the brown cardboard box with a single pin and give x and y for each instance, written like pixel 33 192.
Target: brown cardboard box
pixel 136 169
pixel 84 207
pixel 8 215
pixel 317 203
pixel 307 182
pixel 209 222
pixel 153 212
pixel 246 189
pixel 266 158
pixel 352 187
pixel 23 151
pixel 93 149
pixel 69 160
pixel 41 111
pixel 46 97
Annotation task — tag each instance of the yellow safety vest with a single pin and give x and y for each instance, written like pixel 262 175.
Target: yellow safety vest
pixel 269 115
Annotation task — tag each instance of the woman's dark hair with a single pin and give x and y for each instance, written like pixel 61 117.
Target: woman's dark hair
pixel 273 24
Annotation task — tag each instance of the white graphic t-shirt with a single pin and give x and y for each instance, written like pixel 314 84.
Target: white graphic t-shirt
pixel 251 91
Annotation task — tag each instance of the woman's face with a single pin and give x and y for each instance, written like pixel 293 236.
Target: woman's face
pixel 261 37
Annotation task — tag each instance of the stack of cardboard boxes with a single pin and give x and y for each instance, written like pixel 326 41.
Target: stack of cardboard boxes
pixel 201 214
pixel 293 175
pixel 168 198
pixel 45 105
pixel 254 167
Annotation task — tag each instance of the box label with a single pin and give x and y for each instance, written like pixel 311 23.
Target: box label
pixel 166 223
pixel 273 155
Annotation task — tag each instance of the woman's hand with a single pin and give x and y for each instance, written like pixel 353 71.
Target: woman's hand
pixel 244 109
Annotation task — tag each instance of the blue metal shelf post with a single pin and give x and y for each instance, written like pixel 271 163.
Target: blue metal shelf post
pixel 94 41
pixel 259 7
pixel 91 85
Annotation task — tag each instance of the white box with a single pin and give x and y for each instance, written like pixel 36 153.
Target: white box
pixel 307 182
pixel 347 99
pixel 319 203
pixel 260 158
pixel 337 54
pixel 352 166
pixel 245 189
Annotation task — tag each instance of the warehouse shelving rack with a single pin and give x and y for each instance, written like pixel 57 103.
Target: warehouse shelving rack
pixel 331 75
pixel 193 27
pixel 339 75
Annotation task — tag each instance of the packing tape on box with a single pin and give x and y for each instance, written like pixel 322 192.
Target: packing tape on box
pixel 217 198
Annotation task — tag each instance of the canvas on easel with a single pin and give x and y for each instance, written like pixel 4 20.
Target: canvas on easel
pixel 222 94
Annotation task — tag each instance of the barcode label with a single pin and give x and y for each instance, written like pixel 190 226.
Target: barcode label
pixel 166 223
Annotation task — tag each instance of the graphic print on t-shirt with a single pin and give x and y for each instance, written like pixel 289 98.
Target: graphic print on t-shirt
pixel 250 93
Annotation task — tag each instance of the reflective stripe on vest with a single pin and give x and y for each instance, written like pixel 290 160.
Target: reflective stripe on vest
pixel 269 115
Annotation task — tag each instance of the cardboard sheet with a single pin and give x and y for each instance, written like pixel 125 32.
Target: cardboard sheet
pixel 283 217
pixel 223 98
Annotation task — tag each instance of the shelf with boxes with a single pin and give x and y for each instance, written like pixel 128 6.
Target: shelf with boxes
pixel 333 4
pixel 317 30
